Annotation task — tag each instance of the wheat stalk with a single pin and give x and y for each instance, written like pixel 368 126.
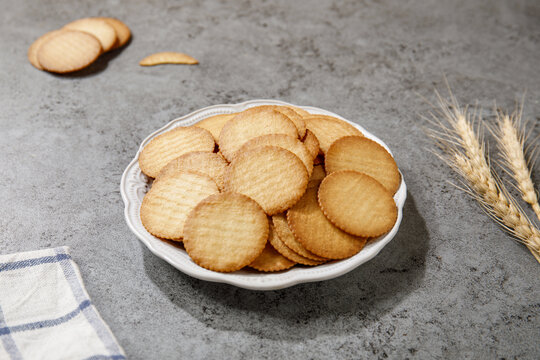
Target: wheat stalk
pixel 464 151
pixel 511 141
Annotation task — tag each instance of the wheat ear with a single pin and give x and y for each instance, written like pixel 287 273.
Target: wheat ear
pixel 511 140
pixel 465 152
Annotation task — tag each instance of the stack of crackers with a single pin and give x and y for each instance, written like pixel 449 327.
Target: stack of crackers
pixel 268 188
pixel 78 44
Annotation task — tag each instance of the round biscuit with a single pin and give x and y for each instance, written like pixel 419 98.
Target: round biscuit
pixel 318 235
pixel 303 113
pixel 202 162
pixel 283 141
pixel 295 118
pixel 285 234
pixel 271 260
pixel 67 51
pixel 274 177
pixel 172 144
pixel 99 28
pixel 226 232
pixel 215 123
pixel 357 203
pixel 311 143
pixel 34 48
pixel 366 156
pixel 122 31
pixel 165 207
pixel 328 129
pixel 284 250
pixel 252 123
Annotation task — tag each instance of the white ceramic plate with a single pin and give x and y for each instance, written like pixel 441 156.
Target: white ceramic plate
pixel 134 186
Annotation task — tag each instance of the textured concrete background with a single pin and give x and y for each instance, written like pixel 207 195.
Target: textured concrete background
pixel 450 285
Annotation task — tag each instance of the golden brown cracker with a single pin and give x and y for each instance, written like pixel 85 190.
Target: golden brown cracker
pixel 366 156
pixel 202 162
pixel 215 123
pixel 123 34
pixel 318 235
pixel 283 141
pixel 280 246
pixel 317 176
pixel 168 57
pixel 270 260
pixel 295 118
pixel 274 177
pixel 226 232
pixel 303 113
pixel 172 144
pixel 285 234
pixel 68 51
pixel 311 143
pixel 33 49
pixel 250 124
pixel 357 203
pixel 165 207
pixel 99 28
pixel 328 129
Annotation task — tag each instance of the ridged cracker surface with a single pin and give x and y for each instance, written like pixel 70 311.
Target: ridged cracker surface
pixel 215 123
pixel 313 230
pixel 226 232
pixel 284 250
pixel 34 48
pixel 123 34
pixel 357 203
pixel 285 234
pixel 172 144
pixel 68 51
pixel 328 129
pixel 104 32
pixel 270 260
pixel 202 162
pixel 311 143
pixel 252 123
pixel 366 156
pixel 165 207
pixel 274 177
pixel 285 142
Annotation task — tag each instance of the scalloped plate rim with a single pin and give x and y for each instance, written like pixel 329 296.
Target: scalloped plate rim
pixel 303 275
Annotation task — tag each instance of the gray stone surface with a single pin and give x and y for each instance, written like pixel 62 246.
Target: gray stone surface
pixel 450 285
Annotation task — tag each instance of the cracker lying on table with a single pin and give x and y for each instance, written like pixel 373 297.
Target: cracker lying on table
pixel 99 28
pixel 68 51
pixel 168 57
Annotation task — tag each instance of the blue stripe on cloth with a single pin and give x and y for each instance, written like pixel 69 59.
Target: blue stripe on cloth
pixel 9 343
pixel 45 323
pixel 93 318
pixel 33 262
pixel 106 357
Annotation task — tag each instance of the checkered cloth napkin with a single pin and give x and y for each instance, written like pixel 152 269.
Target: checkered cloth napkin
pixel 45 311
